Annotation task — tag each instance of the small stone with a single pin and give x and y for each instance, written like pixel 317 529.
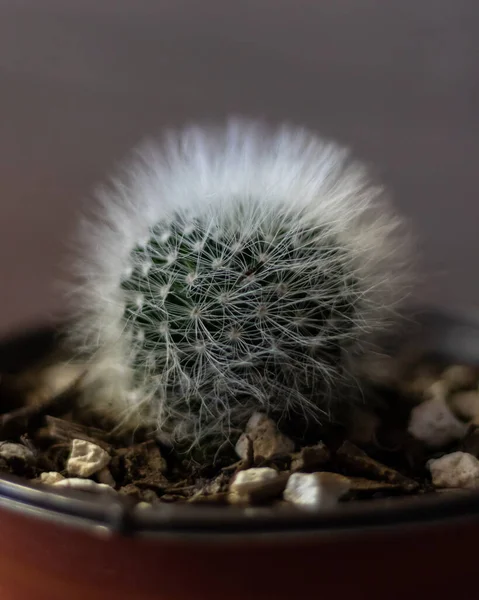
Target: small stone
pixel 465 405
pixel 256 485
pixel 316 491
pixel 267 441
pixel 51 477
pixel 434 424
pixel 460 377
pixel 311 458
pixel 455 470
pixel 84 485
pixel 10 451
pixel 253 476
pixel 86 459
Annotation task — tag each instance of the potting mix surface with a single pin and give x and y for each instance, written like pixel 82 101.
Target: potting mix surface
pixel 419 434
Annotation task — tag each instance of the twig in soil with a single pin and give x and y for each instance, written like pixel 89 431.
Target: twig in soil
pixel 64 430
pixel 366 486
pixel 357 461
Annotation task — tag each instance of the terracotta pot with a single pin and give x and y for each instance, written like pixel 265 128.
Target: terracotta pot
pixel 74 546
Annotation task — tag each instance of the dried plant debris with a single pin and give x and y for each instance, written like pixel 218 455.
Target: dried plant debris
pixel 310 458
pixel 423 437
pixel 357 462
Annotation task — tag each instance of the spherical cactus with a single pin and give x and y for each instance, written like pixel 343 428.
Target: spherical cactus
pixel 233 269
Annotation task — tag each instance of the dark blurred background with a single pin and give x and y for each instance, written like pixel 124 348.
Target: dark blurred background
pixel 80 82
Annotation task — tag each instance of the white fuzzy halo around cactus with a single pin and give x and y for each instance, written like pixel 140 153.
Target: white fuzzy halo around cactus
pixel 231 269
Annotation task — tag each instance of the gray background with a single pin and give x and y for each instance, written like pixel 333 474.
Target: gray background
pixel 80 82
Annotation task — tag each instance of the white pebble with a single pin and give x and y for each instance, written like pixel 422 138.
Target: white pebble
pixel 86 459
pixel 433 423
pixel 240 487
pixel 9 451
pixel 51 477
pixel 316 491
pixel 252 476
pixel 455 470
pixel 84 485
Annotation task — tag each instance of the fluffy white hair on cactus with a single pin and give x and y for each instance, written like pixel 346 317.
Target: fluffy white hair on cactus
pixel 233 268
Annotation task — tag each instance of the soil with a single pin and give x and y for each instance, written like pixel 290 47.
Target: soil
pixel 374 451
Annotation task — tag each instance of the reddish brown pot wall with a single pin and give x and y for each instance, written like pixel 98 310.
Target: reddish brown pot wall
pixel 44 561
pixel 355 553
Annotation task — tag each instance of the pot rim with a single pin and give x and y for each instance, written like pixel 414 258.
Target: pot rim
pixel 444 333
pixel 116 515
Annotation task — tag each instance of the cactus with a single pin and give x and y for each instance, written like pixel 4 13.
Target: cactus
pixel 233 269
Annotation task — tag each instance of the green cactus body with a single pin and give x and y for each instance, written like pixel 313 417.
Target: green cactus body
pixel 222 320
